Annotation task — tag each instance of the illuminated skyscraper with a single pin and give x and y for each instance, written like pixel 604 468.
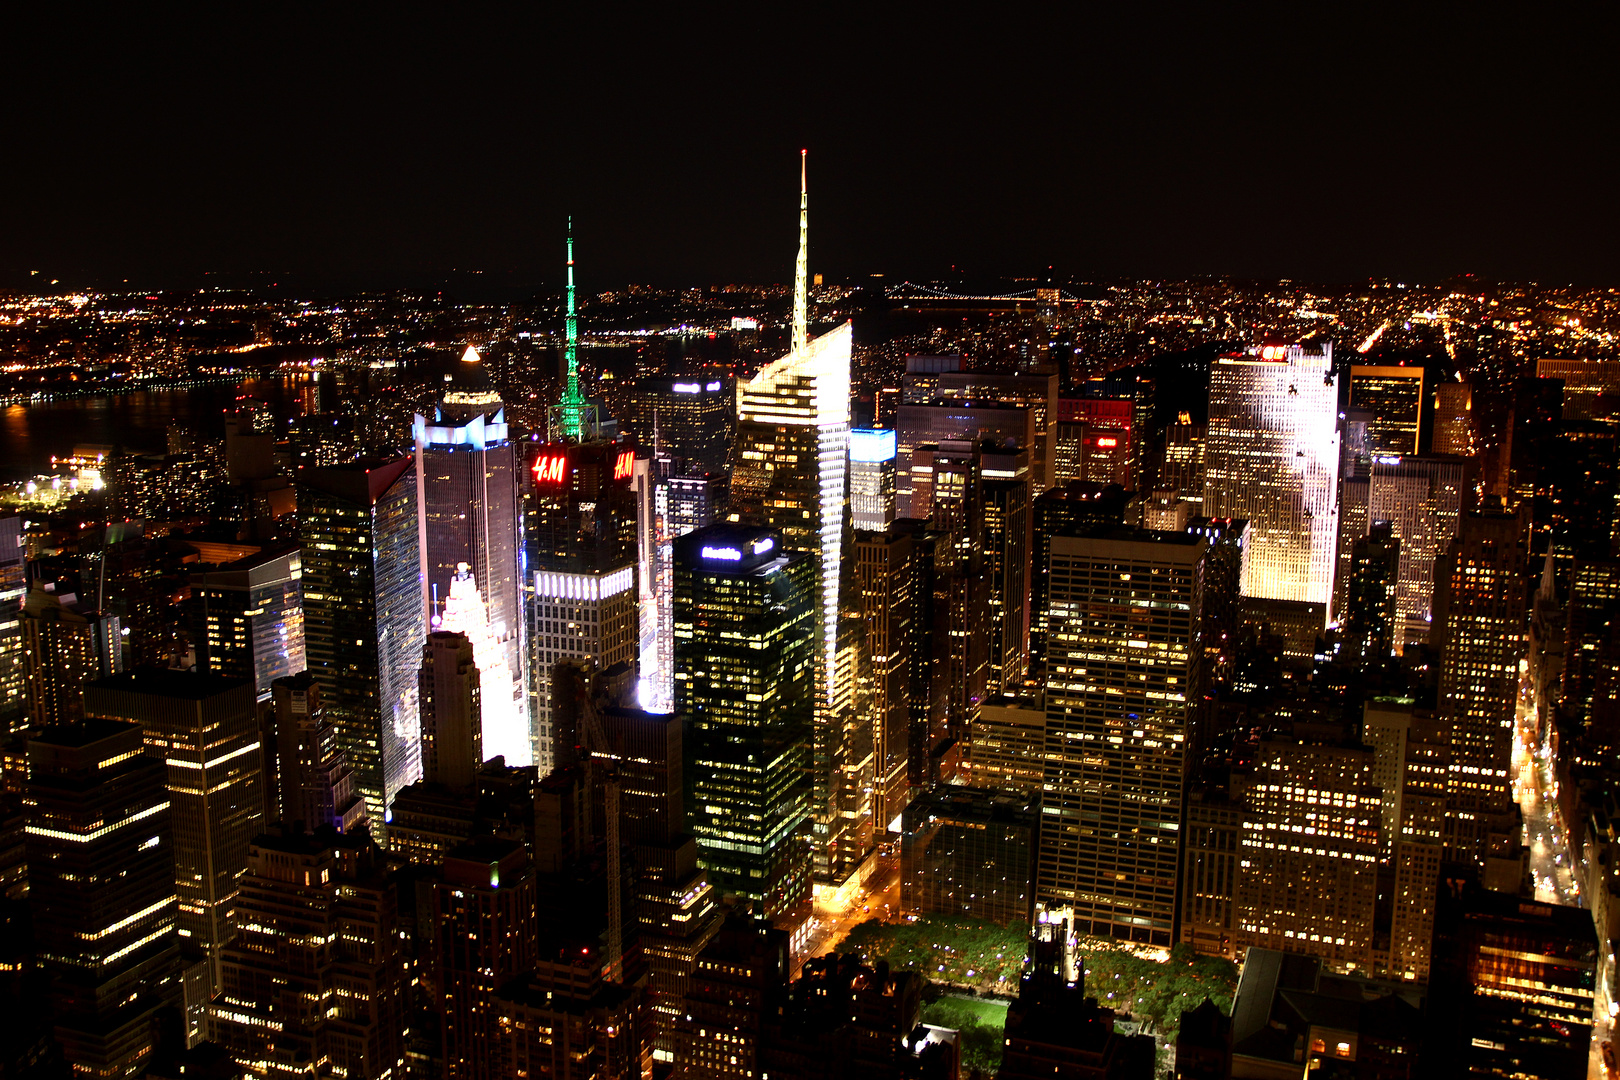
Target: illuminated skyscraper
pixel 1454 431
pixel 1272 457
pixel 582 511
pixel 1315 898
pixel 690 416
pixel 364 617
pixel 66 643
pixel 1124 664
pixel 205 727
pixel 746 636
pixel 791 460
pixel 1422 498
pixel 13 587
pixel 589 615
pixel 871 478
pixel 1479 621
pixel 467 473
pixel 884 570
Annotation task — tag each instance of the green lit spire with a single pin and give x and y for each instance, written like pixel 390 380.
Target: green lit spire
pixel 573 402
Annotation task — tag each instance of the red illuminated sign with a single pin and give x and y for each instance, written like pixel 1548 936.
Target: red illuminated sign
pixel 550 468
pixel 625 465
pixel 1107 440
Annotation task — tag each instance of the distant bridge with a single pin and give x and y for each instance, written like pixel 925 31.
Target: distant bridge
pixel 910 290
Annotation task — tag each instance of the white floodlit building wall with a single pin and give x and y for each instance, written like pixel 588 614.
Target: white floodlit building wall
pixel 1272 457
pixel 505 725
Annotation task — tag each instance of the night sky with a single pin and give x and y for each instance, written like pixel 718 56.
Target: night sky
pixel 375 149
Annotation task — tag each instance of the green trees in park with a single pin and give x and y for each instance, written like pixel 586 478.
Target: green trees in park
pixel 985 957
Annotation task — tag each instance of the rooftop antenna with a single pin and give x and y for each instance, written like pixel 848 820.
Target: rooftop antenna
pixel 573 415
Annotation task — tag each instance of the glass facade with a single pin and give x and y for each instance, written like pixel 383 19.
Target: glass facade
pixel 745 640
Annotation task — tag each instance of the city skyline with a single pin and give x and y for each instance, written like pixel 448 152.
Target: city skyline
pixel 985 676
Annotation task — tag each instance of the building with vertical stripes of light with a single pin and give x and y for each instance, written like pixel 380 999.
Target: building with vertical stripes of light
pixel 1271 456
pixel 1124 664
pixel 790 470
pixel 364 618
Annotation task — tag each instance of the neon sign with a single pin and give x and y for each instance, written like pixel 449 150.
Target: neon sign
pixel 1107 440
pixel 625 465
pixel 550 468
pixel 729 554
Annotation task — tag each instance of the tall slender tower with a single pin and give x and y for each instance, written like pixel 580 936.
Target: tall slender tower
pixel 790 467
pixel 573 410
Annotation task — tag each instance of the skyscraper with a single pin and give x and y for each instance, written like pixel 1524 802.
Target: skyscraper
pixel 1370 622
pixel 364 617
pixel 871 478
pixel 1123 678
pixel 66 643
pixel 316 973
pixel 101 887
pixel 1272 457
pixel 452 719
pixel 466 470
pixel 582 547
pixel 314 782
pixel 791 461
pixel 884 571
pixel 1479 619
pixel 206 729
pixel 1422 498
pixel 13 587
pixel 589 615
pixel 1308 852
pixel 1394 396
pixel 745 643
pixel 690 416
pixel 482 919
pixel 248 617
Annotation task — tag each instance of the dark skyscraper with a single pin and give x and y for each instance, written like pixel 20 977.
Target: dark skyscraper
pixel 248 618
pixel 1371 625
pixel 692 416
pixel 452 736
pixel 482 920
pixel 364 616
pixel 316 973
pixel 744 636
pixel 314 782
pixel 101 886
pixel 206 729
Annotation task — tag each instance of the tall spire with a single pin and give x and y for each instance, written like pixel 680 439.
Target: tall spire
pixel 801 300
pixel 573 404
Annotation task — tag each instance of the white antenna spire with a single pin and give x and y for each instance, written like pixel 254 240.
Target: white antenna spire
pixel 801 291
